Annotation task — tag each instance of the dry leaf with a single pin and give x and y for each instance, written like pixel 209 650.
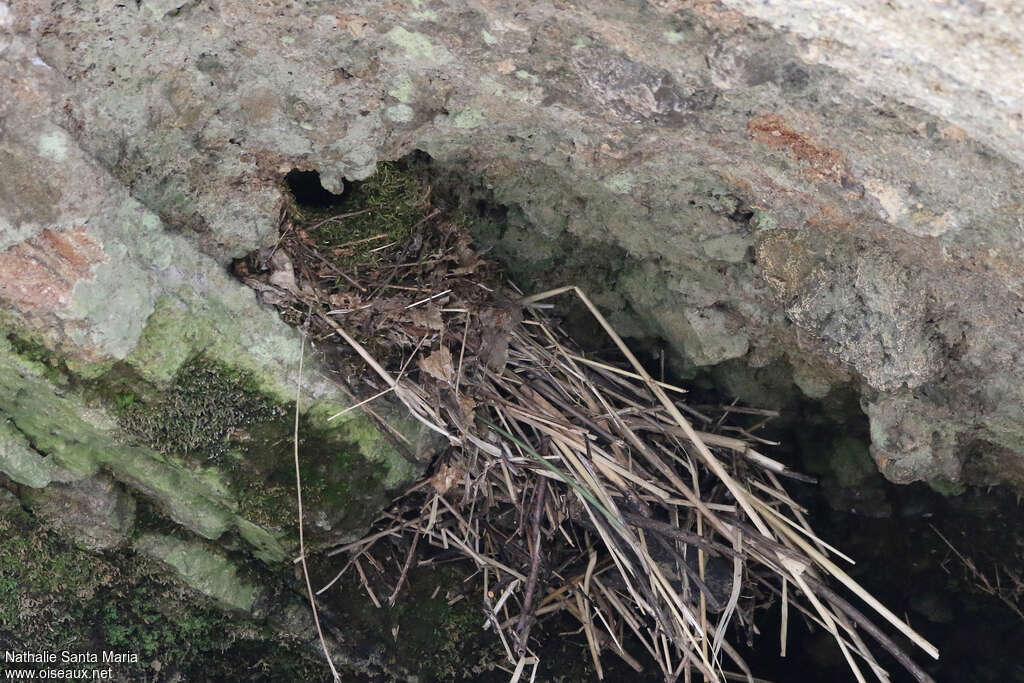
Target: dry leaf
pixel 467 406
pixel 428 316
pixel 497 322
pixel 438 365
pixel 282 272
pixel 445 478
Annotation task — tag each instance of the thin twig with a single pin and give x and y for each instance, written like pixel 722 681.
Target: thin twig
pixel 525 616
pixel 298 498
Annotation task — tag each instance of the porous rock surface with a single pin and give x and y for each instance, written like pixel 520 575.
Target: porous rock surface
pixel 832 186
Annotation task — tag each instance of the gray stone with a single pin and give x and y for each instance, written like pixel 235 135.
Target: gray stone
pixel 909 442
pixel 205 570
pixel 8 502
pixel 846 191
pixel 96 512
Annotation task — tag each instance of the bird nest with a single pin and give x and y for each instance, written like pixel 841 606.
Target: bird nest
pixel 574 484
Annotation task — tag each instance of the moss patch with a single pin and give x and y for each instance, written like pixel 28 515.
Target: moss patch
pixel 422 633
pixel 341 488
pixel 55 596
pixel 222 451
pixel 215 420
pixel 389 203
pixel 201 411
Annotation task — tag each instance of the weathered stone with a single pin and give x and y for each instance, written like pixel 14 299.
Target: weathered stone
pixel 205 570
pixel 848 190
pixel 8 502
pixel 907 439
pixel 95 512
pixel 21 463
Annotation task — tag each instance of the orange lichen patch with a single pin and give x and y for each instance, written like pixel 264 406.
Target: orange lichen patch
pixel 715 11
pixel 40 273
pixel 823 163
pixel 831 218
pixel 953 133
pixel 720 15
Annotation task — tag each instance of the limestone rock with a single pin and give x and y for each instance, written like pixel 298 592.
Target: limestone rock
pixel 95 512
pixel 205 570
pixel 849 188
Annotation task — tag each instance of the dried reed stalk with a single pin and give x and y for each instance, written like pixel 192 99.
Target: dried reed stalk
pixel 577 485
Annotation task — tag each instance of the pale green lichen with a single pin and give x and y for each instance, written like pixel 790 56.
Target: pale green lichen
pixel 265 545
pixel 403 90
pixel 762 220
pixel 468 118
pixel 399 113
pixel 621 183
pixel 186 498
pixel 206 571
pixel 49 424
pixel 53 145
pixel 418 47
pixel 22 464
pixel 171 335
pixel 527 76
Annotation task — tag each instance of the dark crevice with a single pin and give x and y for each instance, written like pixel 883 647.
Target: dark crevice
pixel 307 190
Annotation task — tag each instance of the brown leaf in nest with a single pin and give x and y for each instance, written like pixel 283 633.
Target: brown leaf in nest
pixel 346 301
pixel 468 257
pixel 467 405
pixel 470 268
pixel 283 273
pixel 427 316
pixel 497 323
pixel 445 478
pixel 438 364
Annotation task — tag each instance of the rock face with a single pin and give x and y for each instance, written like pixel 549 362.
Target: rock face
pixel 836 189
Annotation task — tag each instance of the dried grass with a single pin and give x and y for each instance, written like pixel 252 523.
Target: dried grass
pixel 574 485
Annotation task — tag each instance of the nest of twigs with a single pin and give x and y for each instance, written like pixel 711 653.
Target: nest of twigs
pixel 575 485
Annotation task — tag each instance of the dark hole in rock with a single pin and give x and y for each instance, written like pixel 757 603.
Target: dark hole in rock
pixel 308 192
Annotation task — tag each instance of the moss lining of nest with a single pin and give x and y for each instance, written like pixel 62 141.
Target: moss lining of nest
pixel 381 210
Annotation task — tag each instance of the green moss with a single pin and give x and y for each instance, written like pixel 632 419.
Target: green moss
pixel 206 401
pixel 393 200
pixel 209 572
pixel 341 487
pixel 53 425
pixel 421 633
pixel 946 487
pixel 51 591
pixel 34 351
pixel 213 417
pixel 444 640
pixel 55 596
